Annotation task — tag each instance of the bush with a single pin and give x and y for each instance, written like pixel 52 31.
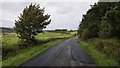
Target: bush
pixel 85 34
pixel 100 58
pixel 107 46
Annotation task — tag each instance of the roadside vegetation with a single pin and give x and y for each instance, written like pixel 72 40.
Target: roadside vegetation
pixel 99 33
pixel 16 51
pixel 99 54
pixel 29 53
pixel 29 39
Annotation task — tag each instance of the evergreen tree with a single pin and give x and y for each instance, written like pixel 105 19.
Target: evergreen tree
pixel 31 21
pixel 110 24
pixel 102 20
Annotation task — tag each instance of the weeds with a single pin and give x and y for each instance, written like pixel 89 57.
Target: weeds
pixel 99 57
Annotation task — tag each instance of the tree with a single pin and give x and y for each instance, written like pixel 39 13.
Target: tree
pixel 102 20
pixel 110 24
pixel 31 21
pixel 92 18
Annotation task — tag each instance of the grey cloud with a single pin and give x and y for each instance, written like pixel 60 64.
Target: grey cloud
pixel 62 7
pixel 7 23
pixel 65 9
pixel 63 14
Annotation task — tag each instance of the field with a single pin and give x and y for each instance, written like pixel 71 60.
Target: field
pixel 11 39
pixel 16 50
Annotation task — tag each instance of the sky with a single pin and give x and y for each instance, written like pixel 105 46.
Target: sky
pixel 64 15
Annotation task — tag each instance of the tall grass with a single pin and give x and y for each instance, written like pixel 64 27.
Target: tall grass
pixel 9 41
pixel 109 47
pixel 100 58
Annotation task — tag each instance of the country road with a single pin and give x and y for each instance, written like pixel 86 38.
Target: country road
pixel 67 53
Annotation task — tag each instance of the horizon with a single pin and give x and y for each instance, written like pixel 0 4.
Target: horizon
pixel 63 14
pixel 43 29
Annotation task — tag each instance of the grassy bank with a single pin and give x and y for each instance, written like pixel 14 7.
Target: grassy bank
pixel 99 57
pixel 21 58
pixel 109 47
pixel 12 45
pixel 16 51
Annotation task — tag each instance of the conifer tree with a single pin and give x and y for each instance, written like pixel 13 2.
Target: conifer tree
pixel 101 21
pixel 31 21
pixel 110 24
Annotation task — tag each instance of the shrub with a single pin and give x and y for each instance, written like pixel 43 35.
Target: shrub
pixel 85 34
pixel 107 46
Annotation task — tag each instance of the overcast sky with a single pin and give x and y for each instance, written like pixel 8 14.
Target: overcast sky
pixel 63 14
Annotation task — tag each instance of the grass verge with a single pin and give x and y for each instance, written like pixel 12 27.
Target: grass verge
pixel 21 58
pixel 99 58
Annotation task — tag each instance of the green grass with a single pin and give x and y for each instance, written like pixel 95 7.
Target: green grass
pixel 21 58
pixel 52 35
pixel 14 55
pixel 106 46
pixel 9 41
pixel 100 58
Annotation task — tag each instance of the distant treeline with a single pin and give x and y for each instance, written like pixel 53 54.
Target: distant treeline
pixel 6 30
pixel 101 21
pixel 12 30
pixel 59 30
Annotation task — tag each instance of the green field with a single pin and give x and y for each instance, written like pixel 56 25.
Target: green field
pixel 16 50
pixel 8 40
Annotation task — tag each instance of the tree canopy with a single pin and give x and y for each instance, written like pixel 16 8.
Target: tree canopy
pixel 31 21
pixel 102 21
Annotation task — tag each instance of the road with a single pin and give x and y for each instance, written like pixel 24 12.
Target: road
pixel 67 53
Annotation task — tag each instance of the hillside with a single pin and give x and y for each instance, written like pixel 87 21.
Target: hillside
pixel 6 30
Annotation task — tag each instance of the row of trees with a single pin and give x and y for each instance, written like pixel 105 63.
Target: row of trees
pixel 102 20
pixel 61 30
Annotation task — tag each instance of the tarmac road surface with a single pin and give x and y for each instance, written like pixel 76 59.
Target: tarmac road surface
pixel 67 53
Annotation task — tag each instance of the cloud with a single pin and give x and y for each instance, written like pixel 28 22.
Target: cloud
pixel 63 14
pixel 51 0
pixel 7 23
pixel 61 7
